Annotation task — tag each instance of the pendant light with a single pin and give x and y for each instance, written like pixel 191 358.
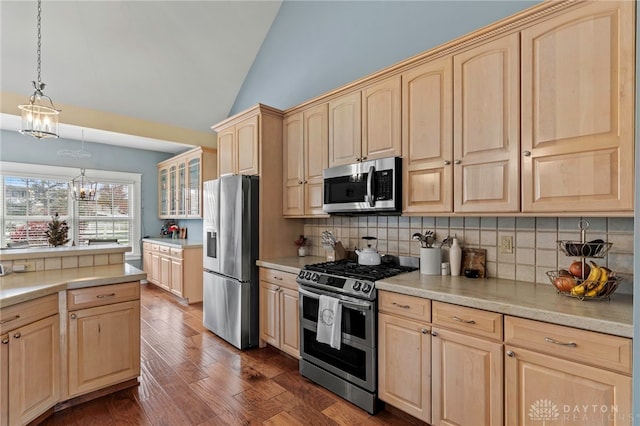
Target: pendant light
pixel 39 116
pixel 82 188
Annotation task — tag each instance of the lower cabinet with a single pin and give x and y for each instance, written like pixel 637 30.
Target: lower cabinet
pixel 29 360
pixel 177 270
pixel 279 321
pixel 103 335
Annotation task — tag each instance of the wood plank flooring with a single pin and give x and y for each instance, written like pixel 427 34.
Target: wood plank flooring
pixel 189 376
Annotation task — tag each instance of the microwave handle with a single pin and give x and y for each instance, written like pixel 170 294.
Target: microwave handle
pixel 370 196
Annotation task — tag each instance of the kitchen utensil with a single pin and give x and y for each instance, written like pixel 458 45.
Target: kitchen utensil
pixel 369 255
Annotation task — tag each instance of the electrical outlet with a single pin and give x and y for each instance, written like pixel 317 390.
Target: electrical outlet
pixel 24 266
pixel 506 244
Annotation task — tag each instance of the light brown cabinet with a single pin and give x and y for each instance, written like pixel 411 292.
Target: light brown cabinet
pixel 427 138
pixel 104 336
pixel 174 269
pixel 560 373
pixel 404 353
pixel 180 183
pixel 279 322
pixel 365 125
pixel 238 148
pixel 305 147
pixel 30 364
pixel 578 110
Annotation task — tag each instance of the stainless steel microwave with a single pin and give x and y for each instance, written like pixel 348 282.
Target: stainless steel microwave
pixel 367 187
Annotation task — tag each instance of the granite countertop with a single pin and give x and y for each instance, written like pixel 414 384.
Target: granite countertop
pixel 175 242
pixel 522 299
pixel 20 287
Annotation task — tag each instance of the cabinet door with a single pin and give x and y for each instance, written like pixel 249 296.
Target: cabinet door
pixel 176 277
pixel 227 162
pixel 293 151
pixel 316 157
pixel 173 190
pixel 163 192
pixel 247 147
pixel 427 139
pixel 270 313
pixel 466 379
pixel 345 130
pixel 289 322
pixel 578 110
pixel 154 275
pixel 486 117
pixel 146 259
pixel 544 388
pixel 194 187
pixel 104 346
pixel 165 273
pixel 34 370
pixel 4 379
pixel 404 365
pixel 381 119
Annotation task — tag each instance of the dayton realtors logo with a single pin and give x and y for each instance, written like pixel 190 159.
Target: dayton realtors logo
pixel 543 410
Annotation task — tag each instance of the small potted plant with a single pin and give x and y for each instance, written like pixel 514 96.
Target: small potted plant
pixel 174 229
pixel 301 243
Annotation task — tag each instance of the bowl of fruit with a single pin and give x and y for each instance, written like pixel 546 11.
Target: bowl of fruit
pixel 585 280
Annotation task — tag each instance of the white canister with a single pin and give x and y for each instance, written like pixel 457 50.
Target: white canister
pixel 430 260
pixel 455 257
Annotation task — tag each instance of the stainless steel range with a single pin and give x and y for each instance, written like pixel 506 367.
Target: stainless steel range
pixel 350 371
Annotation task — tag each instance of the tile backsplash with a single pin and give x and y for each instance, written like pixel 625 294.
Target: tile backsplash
pixel 535 248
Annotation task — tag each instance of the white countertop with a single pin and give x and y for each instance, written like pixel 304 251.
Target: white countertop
pixel 47 252
pixel 20 287
pixel 522 299
pixel 175 242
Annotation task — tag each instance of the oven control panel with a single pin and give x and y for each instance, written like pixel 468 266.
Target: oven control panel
pixel 359 288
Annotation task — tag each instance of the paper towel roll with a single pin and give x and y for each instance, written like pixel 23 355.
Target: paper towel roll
pixel 430 260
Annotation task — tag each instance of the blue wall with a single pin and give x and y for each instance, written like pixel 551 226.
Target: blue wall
pixel 19 148
pixel 316 46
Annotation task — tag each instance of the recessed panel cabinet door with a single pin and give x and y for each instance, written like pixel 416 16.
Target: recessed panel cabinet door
pixel 487 127
pixel 427 140
pixel 316 157
pixel 290 333
pixel 4 379
pixel 578 110
pixel 293 151
pixel 381 119
pixel 247 146
pixel 226 152
pixel 345 130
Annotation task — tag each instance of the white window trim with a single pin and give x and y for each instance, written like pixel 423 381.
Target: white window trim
pixel 67 173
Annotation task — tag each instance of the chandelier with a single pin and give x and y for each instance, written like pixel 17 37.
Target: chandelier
pixel 39 116
pixel 82 188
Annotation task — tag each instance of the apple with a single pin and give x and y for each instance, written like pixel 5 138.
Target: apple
pixel 576 269
pixel 564 283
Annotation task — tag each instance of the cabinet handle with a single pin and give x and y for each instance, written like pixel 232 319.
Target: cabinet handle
pixel 447 162
pixel 17 335
pixel 424 331
pixel 457 162
pixel 74 316
pixel 556 342
pixel 363 158
pixel 526 153
pixel 511 354
pixel 463 320
pixel 401 306
pixel 104 296
pixel 4 321
pixel 5 341
pixel 434 333
pixel 277 278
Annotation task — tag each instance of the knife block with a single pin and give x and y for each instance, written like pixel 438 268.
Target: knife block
pixel 341 253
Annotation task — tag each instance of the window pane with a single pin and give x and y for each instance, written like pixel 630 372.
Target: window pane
pixel 32 232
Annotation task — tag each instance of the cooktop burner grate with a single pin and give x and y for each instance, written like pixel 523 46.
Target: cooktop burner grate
pixel 351 269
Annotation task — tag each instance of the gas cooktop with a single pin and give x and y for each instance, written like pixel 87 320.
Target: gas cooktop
pixel 351 269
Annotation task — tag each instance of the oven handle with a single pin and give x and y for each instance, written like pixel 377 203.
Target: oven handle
pixel 370 195
pixel 360 306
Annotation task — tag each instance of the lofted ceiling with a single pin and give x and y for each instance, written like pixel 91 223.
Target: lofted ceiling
pixel 179 63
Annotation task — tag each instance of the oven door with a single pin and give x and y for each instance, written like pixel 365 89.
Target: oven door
pixel 356 360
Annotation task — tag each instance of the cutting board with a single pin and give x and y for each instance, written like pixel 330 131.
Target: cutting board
pixel 474 259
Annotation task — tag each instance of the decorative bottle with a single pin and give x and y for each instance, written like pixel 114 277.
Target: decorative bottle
pixel 455 257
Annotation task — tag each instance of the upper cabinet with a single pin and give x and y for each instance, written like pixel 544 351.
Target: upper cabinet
pixel 238 148
pixel 486 127
pixel 180 183
pixel 365 125
pixel 305 146
pixel 578 110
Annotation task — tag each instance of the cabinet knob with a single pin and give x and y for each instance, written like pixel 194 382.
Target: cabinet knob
pixel 277 278
pixel 434 333
pixel 424 331
pixel 5 341
pixel 511 354
pixel 447 162
pixel 299 182
pixel 363 158
pixel 74 316
pixel 304 181
pixel 457 162
pixel 526 153
pixel 17 335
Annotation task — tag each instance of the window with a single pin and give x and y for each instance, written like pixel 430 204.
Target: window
pixel 32 194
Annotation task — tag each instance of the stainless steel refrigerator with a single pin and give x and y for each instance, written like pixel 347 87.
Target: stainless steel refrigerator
pixel 230 227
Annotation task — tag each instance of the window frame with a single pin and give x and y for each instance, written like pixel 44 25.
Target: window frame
pixel 40 171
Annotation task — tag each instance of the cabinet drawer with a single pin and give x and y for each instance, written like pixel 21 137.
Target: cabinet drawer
pixel 175 252
pixel 164 249
pixel 406 306
pixel 25 313
pixel 102 295
pixel 147 246
pixel 276 277
pixel 470 320
pixel 588 347
pixel 155 247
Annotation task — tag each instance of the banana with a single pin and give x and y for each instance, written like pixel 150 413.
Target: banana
pixel 593 279
pixel 602 281
pixel 579 290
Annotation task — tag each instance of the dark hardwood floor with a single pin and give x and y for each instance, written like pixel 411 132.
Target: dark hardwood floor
pixel 189 376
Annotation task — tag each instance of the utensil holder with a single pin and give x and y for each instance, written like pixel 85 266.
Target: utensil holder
pixel 430 260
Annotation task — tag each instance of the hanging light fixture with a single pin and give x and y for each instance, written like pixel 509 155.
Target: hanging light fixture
pixel 82 188
pixel 39 119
